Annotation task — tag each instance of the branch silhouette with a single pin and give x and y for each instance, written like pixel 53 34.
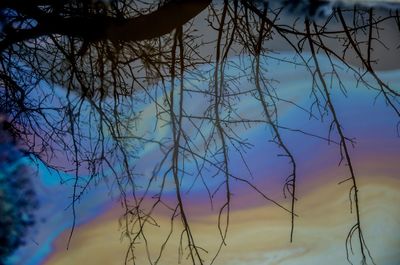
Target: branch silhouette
pixel 75 75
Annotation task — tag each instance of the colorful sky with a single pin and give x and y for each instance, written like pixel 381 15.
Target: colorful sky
pixel 258 230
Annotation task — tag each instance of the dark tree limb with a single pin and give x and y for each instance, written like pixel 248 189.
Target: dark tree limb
pixel 172 15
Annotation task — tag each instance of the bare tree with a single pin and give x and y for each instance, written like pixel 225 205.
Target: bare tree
pixel 74 74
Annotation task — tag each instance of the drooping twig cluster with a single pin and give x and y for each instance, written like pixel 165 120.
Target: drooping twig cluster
pixel 76 98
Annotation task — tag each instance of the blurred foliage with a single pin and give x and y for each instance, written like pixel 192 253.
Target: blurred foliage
pixel 17 198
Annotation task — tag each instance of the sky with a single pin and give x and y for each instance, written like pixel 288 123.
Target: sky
pixel 258 230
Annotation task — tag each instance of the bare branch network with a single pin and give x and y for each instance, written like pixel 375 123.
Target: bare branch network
pixel 76 76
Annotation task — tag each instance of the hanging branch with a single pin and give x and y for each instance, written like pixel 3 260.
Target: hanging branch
pixel 345 154
pixel 290 182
